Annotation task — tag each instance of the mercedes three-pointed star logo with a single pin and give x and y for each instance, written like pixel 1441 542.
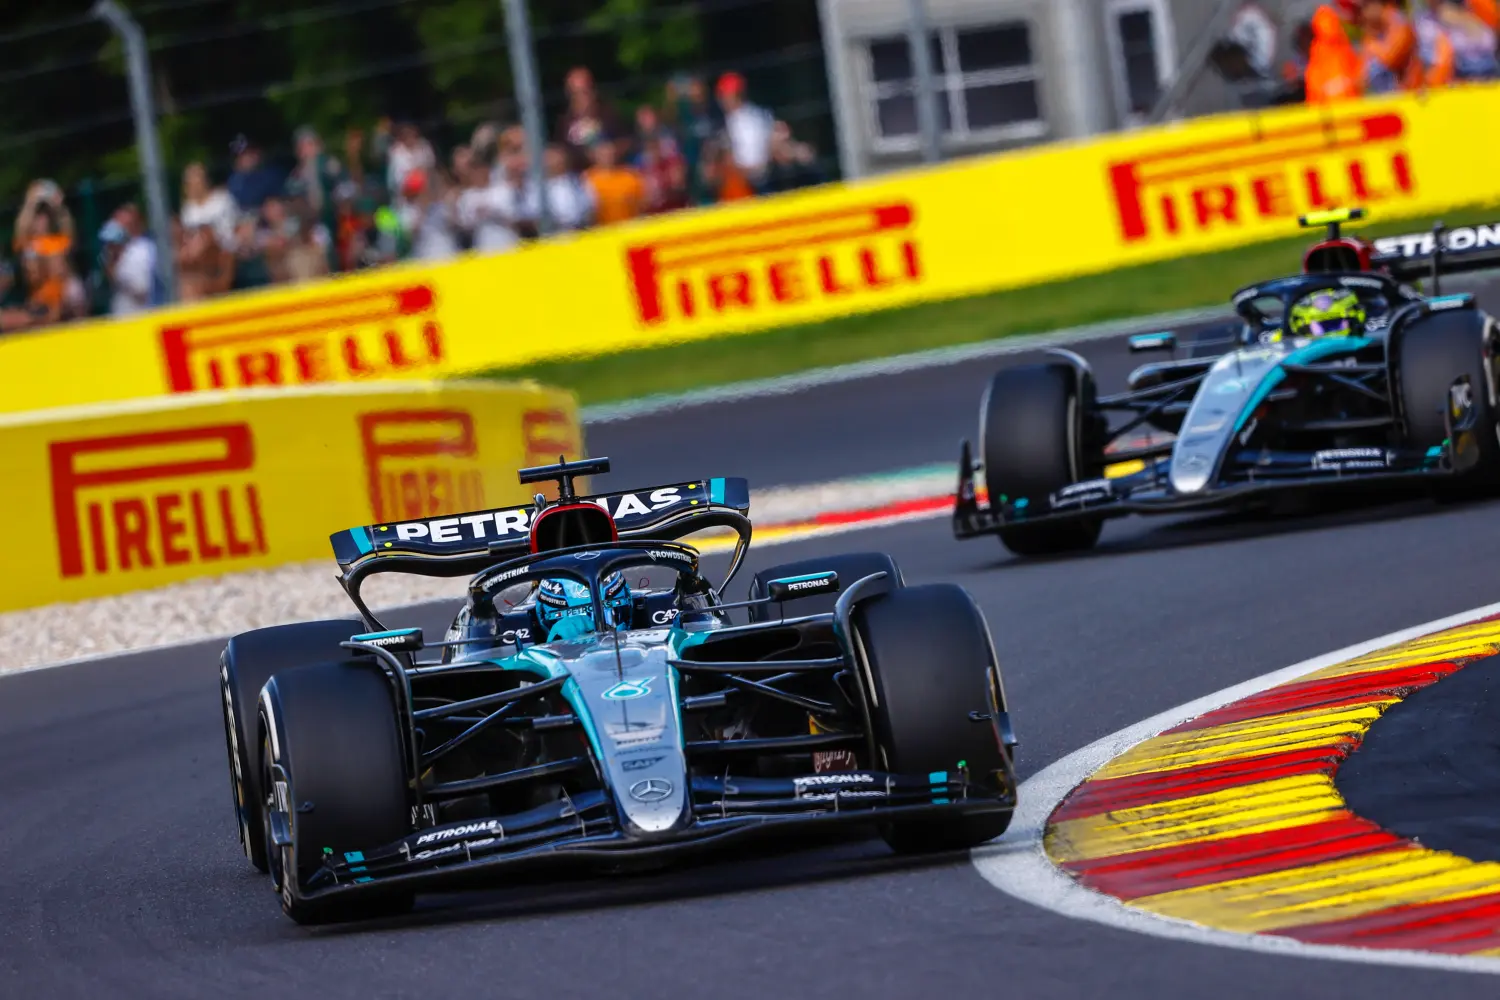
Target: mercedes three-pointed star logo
pixel 651 789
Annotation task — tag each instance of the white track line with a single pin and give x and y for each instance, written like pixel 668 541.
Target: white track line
pixel 1017 865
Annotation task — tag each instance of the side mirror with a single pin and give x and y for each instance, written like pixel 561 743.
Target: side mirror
pixel 793 587
pixel 1143 342
pixel 401 640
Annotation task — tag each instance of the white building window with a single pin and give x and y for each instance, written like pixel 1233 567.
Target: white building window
pixel 988 83
pixel 1141 54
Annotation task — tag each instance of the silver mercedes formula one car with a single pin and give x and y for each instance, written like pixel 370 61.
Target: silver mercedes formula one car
pixel 1344 376
pixel 597 704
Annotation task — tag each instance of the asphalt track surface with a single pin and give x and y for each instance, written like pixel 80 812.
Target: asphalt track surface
pixel 122 876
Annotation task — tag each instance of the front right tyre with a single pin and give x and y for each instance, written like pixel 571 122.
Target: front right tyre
pixel 1036 438
pixel 248 661
pixel 332 761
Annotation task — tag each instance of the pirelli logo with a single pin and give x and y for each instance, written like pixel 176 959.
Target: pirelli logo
pixel 377 333
pixel 843 255
pixel 420 463
pixel 132 502
pixel 1344 160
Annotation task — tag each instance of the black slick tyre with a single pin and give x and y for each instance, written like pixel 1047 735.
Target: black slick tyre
pixel 850 567
pixel 331 735
pixel 1430 355
pixel 935 692
pixel 248 661
pixel 1036 439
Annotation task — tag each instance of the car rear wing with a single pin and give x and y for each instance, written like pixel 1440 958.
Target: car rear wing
pixel 1439 251
pixel 463 544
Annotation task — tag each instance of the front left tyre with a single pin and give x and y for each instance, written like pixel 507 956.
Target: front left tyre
pixel 1430 356
pixel 936 700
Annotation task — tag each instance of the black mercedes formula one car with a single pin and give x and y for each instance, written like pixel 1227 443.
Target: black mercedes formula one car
pixel 1405 390
pixel 594 704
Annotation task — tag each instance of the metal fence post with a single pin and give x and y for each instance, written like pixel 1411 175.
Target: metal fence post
pixel 919 38
pixel 529 97
pixel 148 147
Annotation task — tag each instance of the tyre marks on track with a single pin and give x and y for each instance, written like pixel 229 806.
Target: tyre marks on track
pixel 1231 820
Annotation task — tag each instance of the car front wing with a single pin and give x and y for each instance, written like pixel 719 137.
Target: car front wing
pixel 581 831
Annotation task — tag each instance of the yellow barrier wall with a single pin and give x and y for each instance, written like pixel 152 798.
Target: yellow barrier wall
pixel 975 226
pixel 112 498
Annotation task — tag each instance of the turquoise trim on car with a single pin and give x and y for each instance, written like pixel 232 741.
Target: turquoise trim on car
pixel 716 491
pixel 533 662
pixel 362 541
pixel 1318 350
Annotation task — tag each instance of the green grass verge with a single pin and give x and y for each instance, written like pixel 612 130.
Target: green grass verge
pixel 1184 283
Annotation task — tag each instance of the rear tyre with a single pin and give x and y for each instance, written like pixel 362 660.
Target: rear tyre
pixel 931 664
pixel 244 667
pixel 1037 436
pixel 1430 355
pixel 331 734
pixel 850 567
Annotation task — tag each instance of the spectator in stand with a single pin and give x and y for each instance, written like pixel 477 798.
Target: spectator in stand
pixel 1294 70
pixel 588 120
pixel 407 152
pixel 277 230
pixel 369 186
pixel 314 179
pixel 619 192
pixel 648 127
pixel 747 127
pixel 307 251
pixel 1455 43
pixel 722 176
pixel 695 122
pixel 427 216
pixel 663 170
pixel 250 267
pixel 129 261
pixel 1388 49
pixel 75 297
pixel 352 237
pixel 570 201
pixel 43 198
pixel 252 181
pixel 485 209
pixel 205 205
pixel 793 164
pixel 53 292
pixel 43 295
pixel 485 142
pixel 1334 72
pixel 13 314
pixel 205 267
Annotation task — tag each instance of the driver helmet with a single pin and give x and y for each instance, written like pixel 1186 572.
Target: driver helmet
pixel 559 600
pixel 1328 312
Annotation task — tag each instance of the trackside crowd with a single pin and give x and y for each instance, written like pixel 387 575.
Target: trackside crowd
pixel 386 194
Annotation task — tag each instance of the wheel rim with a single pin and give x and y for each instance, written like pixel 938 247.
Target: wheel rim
pixel 268 803
pixel 236 772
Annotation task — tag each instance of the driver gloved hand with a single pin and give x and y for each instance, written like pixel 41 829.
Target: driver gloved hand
pixel 570 627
